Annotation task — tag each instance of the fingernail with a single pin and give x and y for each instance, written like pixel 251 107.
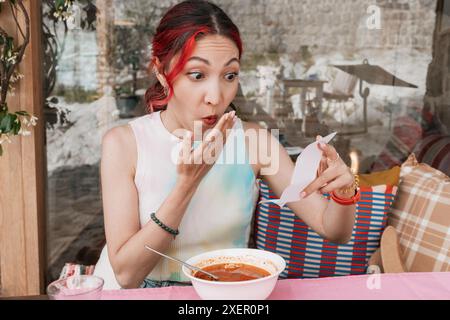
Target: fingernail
pixel 302 195
pixel 233 113
pixel 322 145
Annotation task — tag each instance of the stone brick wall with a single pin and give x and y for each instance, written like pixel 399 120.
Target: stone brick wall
pixel 283 26
pixel 334 27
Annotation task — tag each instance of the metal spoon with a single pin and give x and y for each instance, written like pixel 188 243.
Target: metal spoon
pixel 187 265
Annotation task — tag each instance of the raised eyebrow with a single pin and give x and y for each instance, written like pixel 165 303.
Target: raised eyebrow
pixel 199 59
pixel 231 61
pixel 207 62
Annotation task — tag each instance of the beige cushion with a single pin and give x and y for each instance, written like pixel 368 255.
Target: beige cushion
pixel 421 216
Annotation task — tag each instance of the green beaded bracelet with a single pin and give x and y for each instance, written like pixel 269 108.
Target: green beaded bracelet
pixel 162 225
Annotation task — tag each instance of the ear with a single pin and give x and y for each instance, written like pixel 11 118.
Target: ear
pixel 157 64
pixel 157 69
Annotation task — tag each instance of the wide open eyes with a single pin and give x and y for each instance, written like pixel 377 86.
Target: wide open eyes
pixel 197 76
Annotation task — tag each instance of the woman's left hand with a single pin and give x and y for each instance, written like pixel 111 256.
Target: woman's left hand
pixel 332 175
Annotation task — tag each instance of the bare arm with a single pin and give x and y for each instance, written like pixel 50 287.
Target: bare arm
pixel 125 238
pixel 330 220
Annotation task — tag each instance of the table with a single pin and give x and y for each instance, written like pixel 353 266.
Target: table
pixel 317 85
pixel 404 286
pixel 304 85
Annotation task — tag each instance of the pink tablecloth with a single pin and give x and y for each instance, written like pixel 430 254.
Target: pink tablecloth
pixel 382 286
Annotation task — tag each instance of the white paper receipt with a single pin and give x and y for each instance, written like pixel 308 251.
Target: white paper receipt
pixel 304 172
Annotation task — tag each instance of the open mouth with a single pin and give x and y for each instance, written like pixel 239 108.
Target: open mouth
pixel 210 120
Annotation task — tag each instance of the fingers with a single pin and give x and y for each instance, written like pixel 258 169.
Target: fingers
pixel 343 180
pixel 326 177
pixel 317 139
pixel 215 139
pixel 323 161
pixel 317 183
pixel 228 125
pixel 330 174
pixel 220 125
pixel 225 122
pixel 320 144
pixel 322 166
pixel 329 152
pixel 228 120
pixel 186 146
pixel 333 185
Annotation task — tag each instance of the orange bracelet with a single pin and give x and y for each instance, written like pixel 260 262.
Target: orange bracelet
pixel 346 202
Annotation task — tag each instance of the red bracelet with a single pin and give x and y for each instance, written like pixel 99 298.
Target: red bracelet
pixel 346 202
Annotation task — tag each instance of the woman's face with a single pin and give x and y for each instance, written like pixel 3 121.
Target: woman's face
pixel 207 84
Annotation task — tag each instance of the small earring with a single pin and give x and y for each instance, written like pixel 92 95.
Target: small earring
pixel 155 70
pixel 161 80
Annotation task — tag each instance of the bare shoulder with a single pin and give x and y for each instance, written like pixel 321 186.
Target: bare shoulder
pixel 250 125
pixel 251 128
pixel 118 135
pixel 119 142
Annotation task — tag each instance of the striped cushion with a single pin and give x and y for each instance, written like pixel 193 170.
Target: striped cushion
pixel 308 255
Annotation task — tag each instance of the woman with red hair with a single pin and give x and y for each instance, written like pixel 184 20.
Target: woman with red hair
pixel 170 179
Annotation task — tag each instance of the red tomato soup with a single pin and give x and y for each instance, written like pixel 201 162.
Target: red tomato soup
pixel 232 272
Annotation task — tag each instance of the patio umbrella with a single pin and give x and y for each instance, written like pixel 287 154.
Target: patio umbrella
pixel 372 74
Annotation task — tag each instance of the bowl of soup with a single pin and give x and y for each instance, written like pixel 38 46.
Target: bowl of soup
pixel 243 274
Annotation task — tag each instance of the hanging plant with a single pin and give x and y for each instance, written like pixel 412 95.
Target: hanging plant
pixel 11 55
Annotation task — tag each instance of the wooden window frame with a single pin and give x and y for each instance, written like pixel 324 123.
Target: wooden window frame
pixel 23 173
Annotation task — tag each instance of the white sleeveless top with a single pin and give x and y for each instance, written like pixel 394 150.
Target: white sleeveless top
pixel 220 212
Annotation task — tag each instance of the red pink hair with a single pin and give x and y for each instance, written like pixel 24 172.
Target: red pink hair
pixel 176 35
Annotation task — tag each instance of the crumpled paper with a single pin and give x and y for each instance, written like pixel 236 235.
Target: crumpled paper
pixel 304 172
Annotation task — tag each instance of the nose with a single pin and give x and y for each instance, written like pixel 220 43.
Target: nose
pixel 213 94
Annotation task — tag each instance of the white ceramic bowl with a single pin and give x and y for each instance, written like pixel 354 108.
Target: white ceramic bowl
pixel 258 289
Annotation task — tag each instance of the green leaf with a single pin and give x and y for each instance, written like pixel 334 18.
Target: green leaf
pixel 59 3
pixel 1 150
pixel 22 113
pixel 9 44
pixel 6 123
pixel 16 127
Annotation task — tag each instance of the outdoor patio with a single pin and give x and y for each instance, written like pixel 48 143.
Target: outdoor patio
pixel 308 69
